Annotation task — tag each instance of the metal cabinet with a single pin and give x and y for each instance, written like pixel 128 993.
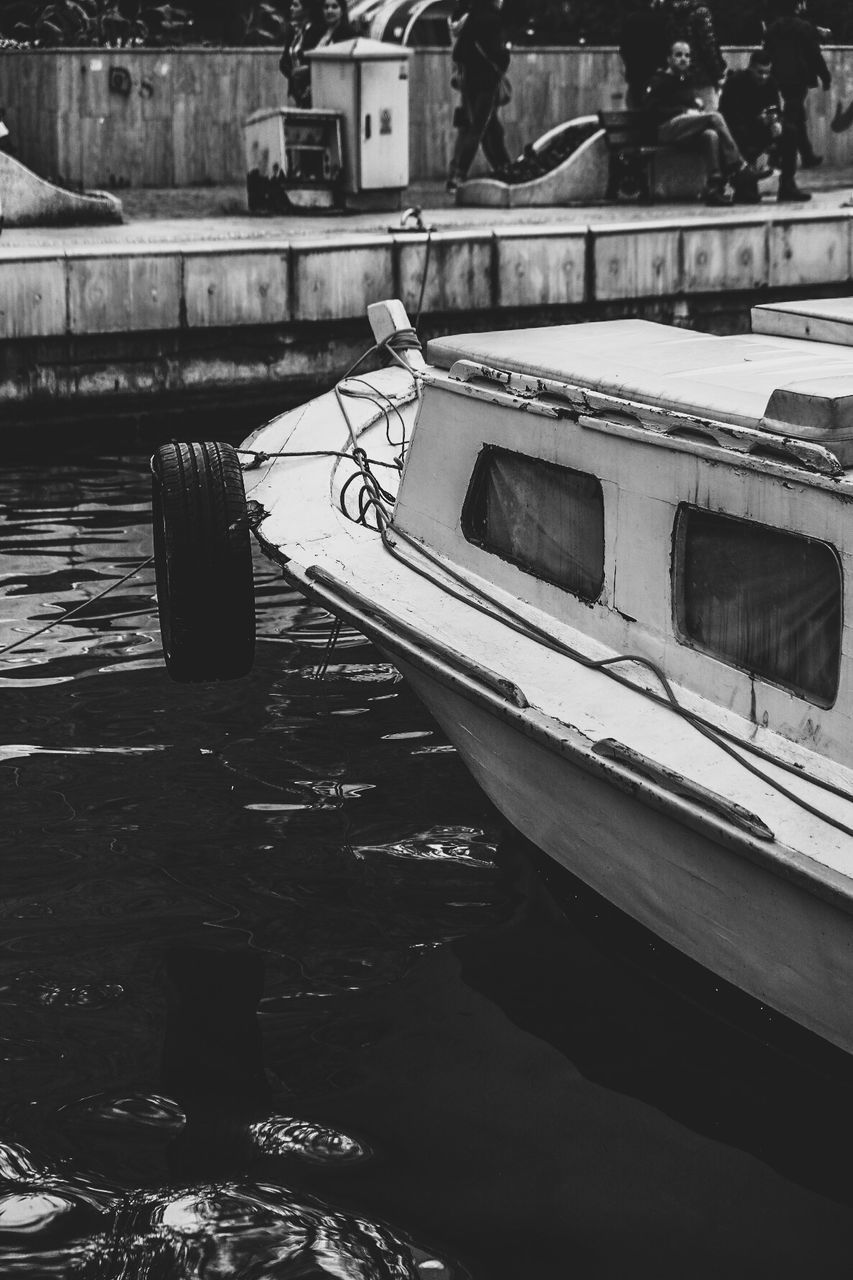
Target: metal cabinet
pixel 367 82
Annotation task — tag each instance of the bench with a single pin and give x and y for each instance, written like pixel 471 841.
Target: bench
pixel 640 166
pixel 632 147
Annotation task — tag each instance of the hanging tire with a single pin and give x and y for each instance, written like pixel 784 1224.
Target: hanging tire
pixel 203 561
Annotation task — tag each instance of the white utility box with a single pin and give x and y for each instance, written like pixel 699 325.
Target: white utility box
pixel 367 82
pixel 294 160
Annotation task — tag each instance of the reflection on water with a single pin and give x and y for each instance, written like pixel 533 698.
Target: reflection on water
pixel 276 1002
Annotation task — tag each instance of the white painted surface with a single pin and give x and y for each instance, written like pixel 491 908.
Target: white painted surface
pixel 766 905
pixel 730 378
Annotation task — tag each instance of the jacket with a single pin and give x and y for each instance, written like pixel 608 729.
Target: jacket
pixel 794 48
pixel 643 47
pixel 299 41
pixel 669 95
pixel 481 51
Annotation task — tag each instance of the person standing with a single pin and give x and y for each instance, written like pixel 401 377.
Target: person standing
pixel 643 49
pixel 481 55
pixel 301 35
pixel 692 22
pixel 798 64
pixel 751 107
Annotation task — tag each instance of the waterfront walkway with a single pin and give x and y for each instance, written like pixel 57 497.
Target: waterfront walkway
pixel 192 293
pixel 194 214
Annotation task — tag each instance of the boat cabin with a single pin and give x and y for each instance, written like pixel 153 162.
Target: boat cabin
pixel 660 491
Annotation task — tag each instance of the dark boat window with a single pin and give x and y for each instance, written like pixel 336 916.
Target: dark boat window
pixel 546 519
pixel 760 598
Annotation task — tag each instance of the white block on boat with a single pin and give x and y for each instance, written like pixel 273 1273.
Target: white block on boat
pixel 751 380
pixel 824 320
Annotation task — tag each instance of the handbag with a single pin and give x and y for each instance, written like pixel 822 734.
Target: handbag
pixel 504 90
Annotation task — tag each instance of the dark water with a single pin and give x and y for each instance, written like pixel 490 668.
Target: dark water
pixel 280 1000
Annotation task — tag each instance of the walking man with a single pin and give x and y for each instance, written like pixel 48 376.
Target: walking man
pixel 798 64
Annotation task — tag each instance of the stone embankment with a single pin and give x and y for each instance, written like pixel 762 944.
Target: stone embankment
pixel 173 306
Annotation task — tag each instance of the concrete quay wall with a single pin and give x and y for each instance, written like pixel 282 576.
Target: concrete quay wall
pixel 84 324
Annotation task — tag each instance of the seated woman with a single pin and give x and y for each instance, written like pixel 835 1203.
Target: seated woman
pixel 673 100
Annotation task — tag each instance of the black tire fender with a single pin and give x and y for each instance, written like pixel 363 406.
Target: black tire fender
pixel 203 562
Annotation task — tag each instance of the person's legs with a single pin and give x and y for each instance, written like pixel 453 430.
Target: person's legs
pixel 681 128
pixel 479 108
pixel 715 185
pixel 788 189
pixel 721 151
pixel 753 138
pixel 787 152
pixel 494 143
pixel 729 150
pixel 711 149
pixel 794 114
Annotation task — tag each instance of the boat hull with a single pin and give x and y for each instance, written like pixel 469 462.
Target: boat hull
pixel 789 948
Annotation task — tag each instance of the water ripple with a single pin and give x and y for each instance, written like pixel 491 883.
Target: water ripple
pixel 308 1141
pixel 250 1231
pixel 465 845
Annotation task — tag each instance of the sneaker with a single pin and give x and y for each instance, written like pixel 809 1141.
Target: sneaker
pixel 792 193
pixel 813 162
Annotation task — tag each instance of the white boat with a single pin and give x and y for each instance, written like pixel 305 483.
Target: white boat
pixel 615 570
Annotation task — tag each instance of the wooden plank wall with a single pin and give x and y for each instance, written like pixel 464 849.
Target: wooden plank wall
pixel 549 86
pixel 181 124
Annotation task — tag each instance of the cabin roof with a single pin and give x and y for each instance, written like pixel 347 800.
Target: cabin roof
pixel 786 385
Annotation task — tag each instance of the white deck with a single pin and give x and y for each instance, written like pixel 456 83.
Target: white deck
pixel 735 379
pixel 733 858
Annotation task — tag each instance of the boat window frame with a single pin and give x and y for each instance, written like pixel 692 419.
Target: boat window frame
pixel 470 500
pixel 679 538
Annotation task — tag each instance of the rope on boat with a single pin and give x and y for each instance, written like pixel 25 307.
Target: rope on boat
pixel 726 741
pixel 78 608
pixel 373 497
pixel 328 651
pixel 414 215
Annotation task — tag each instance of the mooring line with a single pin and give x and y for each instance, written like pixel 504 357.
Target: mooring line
pixel 78 608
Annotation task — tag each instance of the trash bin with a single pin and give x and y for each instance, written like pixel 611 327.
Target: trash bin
pixel 367 82
pixel 294 160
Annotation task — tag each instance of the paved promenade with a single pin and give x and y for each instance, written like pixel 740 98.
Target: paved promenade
pixel 191 293
pixel 203 214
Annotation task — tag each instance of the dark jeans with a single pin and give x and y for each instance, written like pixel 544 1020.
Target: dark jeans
pixel 482 127
pixel 721 150
pixel 794 114
pixel 756 138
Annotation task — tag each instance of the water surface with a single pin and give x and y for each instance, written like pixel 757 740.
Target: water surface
pixel 280 1000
